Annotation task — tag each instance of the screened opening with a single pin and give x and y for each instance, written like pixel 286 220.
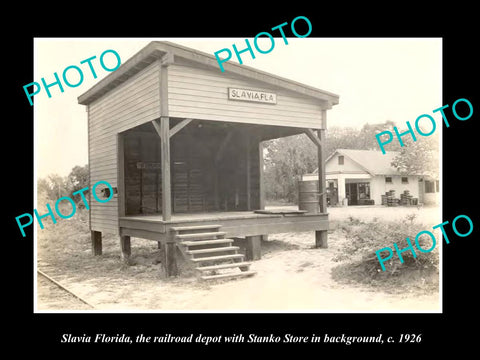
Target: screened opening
pixel 214 166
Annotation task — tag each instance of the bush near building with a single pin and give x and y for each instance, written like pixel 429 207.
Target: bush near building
pixel 359 262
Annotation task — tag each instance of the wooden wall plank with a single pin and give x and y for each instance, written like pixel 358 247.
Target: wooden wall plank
pixel 132 103
pixel 235 116
pixel 203 94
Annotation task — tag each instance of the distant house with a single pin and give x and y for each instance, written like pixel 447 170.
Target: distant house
pixel 365 175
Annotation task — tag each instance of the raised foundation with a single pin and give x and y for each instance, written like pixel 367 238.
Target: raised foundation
pixel 168 257
pixel 96 237
pixel 321 238
pixel 253 247
pixel 248 225
pixel 125 247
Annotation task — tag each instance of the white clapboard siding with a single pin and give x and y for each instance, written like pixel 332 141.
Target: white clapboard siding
pixel 132 103
pixel 203 94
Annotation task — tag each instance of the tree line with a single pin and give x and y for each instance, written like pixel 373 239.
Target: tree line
pixel 287 159
pixel 54 186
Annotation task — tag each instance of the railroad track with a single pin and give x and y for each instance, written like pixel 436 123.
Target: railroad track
pixel 64 288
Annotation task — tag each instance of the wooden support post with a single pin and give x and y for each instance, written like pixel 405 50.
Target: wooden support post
pixel 171 256
pixel 321 173
pixel 157 178
pixel 179 126
pixel 253 247
pixel 311 135
pixel 121 175
pixel 261 184
pixel 125 247
pixel 216 164
pixel 168 250
pixel 96 242
pixel 165 163
pixel 156 126
pixel 248 171
pixel 321 239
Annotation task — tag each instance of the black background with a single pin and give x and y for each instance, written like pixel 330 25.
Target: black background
pixel 42 332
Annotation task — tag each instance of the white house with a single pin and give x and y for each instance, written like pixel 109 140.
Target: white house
pixel 365 175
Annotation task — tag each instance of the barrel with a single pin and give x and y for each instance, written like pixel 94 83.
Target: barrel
pixel 308 196
pixel 384 199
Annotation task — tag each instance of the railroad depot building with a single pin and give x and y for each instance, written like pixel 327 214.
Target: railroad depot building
pixel 180 142
pixel 363 177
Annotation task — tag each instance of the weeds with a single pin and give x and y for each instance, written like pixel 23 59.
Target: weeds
pixel 360 263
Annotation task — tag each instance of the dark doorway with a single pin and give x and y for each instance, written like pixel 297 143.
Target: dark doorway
pixel 358 193
pixel 332 193
pixel 351 192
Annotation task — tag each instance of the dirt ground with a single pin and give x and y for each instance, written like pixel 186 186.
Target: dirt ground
pixel 291 276
pixel 51 296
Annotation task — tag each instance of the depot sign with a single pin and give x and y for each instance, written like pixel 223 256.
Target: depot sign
pixel 252 95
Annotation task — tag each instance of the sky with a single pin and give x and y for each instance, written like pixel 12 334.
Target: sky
pixel 377 79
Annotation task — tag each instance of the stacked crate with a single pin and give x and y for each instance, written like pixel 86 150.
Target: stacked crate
pixel 391 201
pixel 406 198
pixel 384 199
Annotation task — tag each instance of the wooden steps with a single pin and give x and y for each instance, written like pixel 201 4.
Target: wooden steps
pixel 192 228
pixel 229 275
pixel 207 242
pixel 216 258
pixel 213 250
pixel 196 236
pixel 223 266
pixel 207 246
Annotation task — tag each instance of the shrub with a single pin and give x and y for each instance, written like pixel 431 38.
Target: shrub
pixel 364 239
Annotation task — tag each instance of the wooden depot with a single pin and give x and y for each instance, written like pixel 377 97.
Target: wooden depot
pixel 187 160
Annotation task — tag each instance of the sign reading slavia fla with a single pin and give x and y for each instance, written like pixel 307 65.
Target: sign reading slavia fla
pixel 252 95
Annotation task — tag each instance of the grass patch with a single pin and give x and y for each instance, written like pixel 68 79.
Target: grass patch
pixel 359 263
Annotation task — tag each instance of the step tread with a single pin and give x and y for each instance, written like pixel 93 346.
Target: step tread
pixel 223 276
pixel 203 251
pixel 200 235
pixel 223 266
pixel 206 242
pixel 220 257
pixel 198 227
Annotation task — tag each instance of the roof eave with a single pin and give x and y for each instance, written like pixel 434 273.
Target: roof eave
pixel 157 49
pixel 136 63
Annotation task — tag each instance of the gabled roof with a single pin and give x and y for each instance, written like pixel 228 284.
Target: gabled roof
pixel 171 52
pixel 372 161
